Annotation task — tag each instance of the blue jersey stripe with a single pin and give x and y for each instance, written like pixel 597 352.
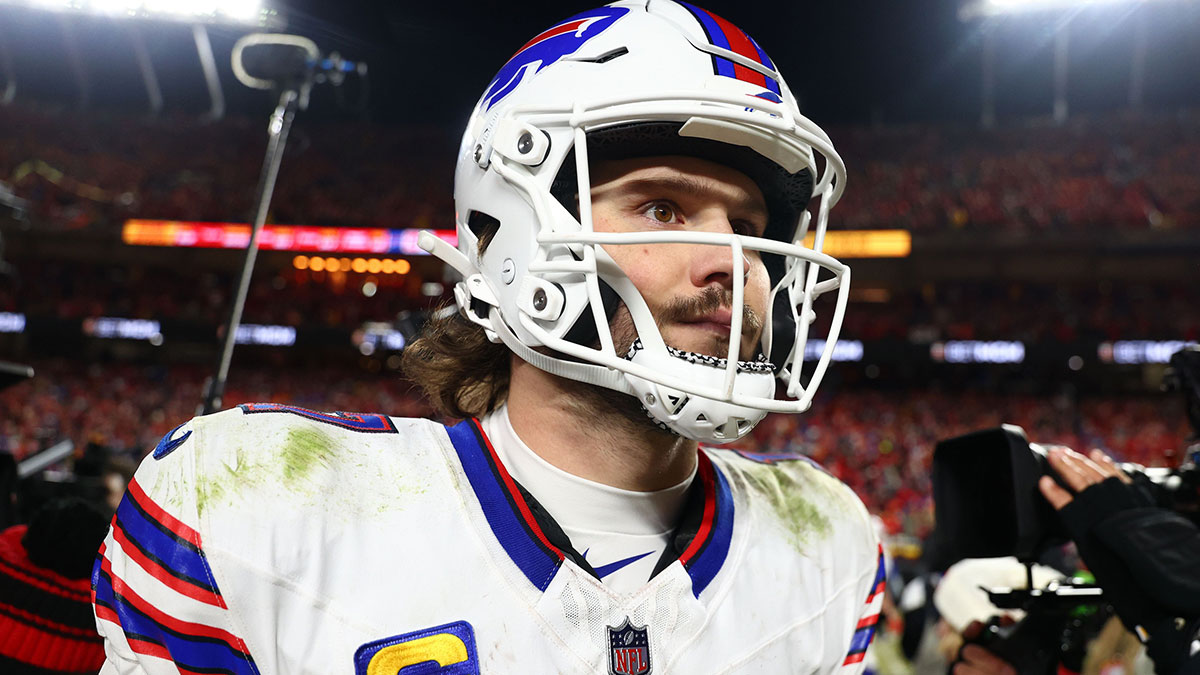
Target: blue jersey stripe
pixel 704 567
pixel 510 529
pixel 880 573
pixel 179 557
pixel 861 640
pixel 194 652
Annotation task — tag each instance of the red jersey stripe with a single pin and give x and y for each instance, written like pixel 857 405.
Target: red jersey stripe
pixel 149 648
pixel 158 572
pixel 107 614
pixel 185 627
pixel 867 621
pixel 165 519
pixel 708 480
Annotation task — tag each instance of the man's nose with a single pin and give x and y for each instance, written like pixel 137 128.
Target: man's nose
pixel 714 264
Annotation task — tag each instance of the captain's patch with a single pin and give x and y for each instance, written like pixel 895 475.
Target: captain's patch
pixel 441 650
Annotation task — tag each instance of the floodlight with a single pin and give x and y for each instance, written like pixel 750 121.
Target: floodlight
pixel 239 10
pixel 978 8
pixel 190 11
pixel 111 7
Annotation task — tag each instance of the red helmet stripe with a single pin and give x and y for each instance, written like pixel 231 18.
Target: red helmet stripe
pixel 741 44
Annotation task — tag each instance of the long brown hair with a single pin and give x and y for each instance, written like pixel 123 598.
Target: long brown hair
pixel 461 372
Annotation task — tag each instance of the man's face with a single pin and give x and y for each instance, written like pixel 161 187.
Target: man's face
pixel 688 287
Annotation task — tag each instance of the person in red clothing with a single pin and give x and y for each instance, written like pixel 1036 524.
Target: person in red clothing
pixel 46 623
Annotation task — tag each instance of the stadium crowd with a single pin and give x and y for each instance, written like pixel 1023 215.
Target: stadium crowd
pixel 879 443
pixel 74 290
pixel 1030 312
pixel 1125 171
pixel 97 170
pixel 1116 171
pixel 948 311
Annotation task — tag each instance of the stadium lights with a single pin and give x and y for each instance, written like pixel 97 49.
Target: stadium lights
pixel 270 335
pixel 358 265
pixel 979 8
pixel 976 351
pixel 188 11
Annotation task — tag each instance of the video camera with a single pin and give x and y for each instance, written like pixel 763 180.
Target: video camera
pixel 987 504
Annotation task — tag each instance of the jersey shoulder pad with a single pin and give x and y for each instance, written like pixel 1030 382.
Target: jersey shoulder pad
pixel 272 453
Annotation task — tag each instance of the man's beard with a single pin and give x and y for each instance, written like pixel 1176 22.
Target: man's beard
pixel 628 409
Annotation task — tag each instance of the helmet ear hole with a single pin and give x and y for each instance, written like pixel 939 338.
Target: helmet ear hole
pixel 484 227
pixel 583 333
pixel 565 187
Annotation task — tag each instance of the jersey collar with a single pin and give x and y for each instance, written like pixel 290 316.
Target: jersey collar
pixel 538 546
pixel 702 537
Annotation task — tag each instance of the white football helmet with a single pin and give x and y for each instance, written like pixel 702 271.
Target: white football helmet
pixel 631 79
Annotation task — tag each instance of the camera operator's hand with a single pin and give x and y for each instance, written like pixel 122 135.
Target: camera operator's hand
pixel 974 659
pixel 1079 472
pixel 1146 558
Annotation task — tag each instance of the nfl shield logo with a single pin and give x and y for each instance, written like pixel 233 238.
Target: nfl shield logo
pixel 628 650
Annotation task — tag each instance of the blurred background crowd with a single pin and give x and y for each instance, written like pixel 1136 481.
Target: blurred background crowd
pixel 1118 170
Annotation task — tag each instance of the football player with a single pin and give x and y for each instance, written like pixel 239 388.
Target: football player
pixel 633 194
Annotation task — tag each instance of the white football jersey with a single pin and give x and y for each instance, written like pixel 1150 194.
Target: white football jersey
pixel 274 539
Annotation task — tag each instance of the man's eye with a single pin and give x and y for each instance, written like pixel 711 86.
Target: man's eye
pixel 745 228
pixel 662 212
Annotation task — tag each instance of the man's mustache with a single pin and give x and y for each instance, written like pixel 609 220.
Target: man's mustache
pixel 711 299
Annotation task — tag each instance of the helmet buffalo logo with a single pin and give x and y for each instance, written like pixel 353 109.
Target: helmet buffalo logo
pixel 547 48
pixel 628 650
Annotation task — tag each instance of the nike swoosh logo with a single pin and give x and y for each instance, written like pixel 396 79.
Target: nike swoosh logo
pixel 605 570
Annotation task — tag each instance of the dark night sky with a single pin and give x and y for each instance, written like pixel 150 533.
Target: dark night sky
pixel 850 61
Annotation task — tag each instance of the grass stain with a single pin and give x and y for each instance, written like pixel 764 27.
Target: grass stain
pixel 788 494
pixel 303 451
pixel 306 448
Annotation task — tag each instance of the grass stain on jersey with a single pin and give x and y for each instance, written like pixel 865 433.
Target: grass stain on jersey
pixel 305 450
pixel 302 452
pixel 310 466
pixel 208 491
pixel 789 496
pixel 232 477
